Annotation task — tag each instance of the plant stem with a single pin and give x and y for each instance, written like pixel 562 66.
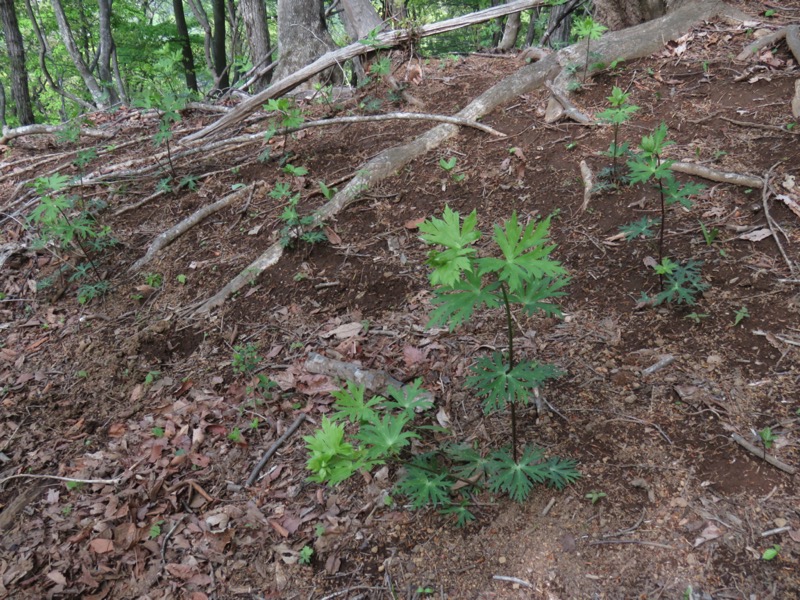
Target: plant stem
pixel 586 64
pixel 510 328
pixel 663 224
pixel 614 158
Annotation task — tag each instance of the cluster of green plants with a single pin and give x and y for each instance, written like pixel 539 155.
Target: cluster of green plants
pixel 66 225
pixel 296 226
pixel 363 433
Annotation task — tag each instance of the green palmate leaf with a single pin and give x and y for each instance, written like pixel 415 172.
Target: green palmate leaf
pixel 617 97
pixel 352 407
pixel 525 254
pixel 499 386
pixel 424 487
pixel 50 210
pixel 682 284
pixel 517 478
pixel 385 437
pixel 408 399
pixel 534 295
pixel 332 459
pixel 461 513
pixel 653 145
pixel 675 192
pixel 560 472
pixel 468 461
pixel 617 116
pixel 640 228
pixel 448 265
pixel 456 303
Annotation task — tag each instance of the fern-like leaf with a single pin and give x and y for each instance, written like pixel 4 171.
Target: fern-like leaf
pixel 424 487
pixel 352 407
pixel 499 386
pixel 385 437
pixel 448 265
pixel 456 303
pixel 461 513
pixel 408 399
pixel 517 478
pixel 534 294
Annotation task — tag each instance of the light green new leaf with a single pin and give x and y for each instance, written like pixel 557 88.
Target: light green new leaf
pixel 332 459
pixel 351 404
pixel 449 264
pixel 517 478
pixel 386 436
pixel 408 399
pixel 455 304
pixel 534 295
pixel 499 386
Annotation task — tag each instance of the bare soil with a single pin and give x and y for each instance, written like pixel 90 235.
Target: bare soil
pixel 129 387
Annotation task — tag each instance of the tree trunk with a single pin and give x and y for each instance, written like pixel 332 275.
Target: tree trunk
pixel 531 33
pixel 560 35
pixel 618 14
pixel 187 59
pixel 16 56
pixel 302 36
pixel 200 14
pixel 106 48
pixel 360 18
pixel 254 14
pixel 218 43
pixel 510 32
pixel 98 96
pixel 394 10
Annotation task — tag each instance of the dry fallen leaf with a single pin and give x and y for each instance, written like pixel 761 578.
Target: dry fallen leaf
pixel 756 235
pixel 344 331
pixel 101 546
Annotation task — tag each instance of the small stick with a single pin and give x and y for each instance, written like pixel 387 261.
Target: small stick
pixel 274 448
pixel 68 479
pixel 771 222
pixel 776 531
pixel 547 508
pixel 166 539
pixel 762 454
pixel 664 361
pixel 640 542
pixel 521 582
pixel 749 181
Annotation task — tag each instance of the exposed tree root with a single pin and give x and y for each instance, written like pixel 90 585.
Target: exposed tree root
pixel 627 44
pixel 749 181
pixel 167 237
pixel 10 134
pixel 570 110
pixel 762 42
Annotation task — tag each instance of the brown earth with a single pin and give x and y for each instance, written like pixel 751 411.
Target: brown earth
pixel 125 387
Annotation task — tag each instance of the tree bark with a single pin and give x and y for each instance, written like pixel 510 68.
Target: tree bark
pixel 560 31
pixel 105 50
pixel 200 14
pixel 187 58
pixel 254 14
pixel 618 14
pixel 16 56
pixel 220 59
pixel 510 33
pixel 302 36
pixel 98 96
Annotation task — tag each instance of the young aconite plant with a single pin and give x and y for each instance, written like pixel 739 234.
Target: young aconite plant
pixel 521 275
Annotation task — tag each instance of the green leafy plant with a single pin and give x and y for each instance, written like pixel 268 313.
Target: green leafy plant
pixel 771 553
pixel 305 555
pixel 595 496
pixel 681 283
pixel 767 437
pixel 158 432
pixel 696 317
pixel 588 29
pixel 521 273
pixel 235 435
pixel 639 229
pixel 182 279
pixel 154 280
pixel 290 169
pixel 619 112
pixel 449 166
pixel 741 315
pixel 155 530
pixel 245 359
pixel 151 377
pixel 709 235
pixel 305 227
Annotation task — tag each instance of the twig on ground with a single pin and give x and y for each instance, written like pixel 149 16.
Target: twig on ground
pixel 352 589
pixel 776 531
pixel 664 361
pixel 521 582
pixel 627 530
pixel 759 126
pixel 771 222
pixel 640 542
pixel 715 175
pixel 166 539
pixel 761 453
pixel 549 506
pixel 588 185
pixel 165 238
pixel 67 479
pixel 274 448
pixel 767 40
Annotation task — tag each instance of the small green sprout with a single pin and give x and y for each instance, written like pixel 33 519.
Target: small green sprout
pixel 741 315
pixel 155 530
pixel 771 553
pixel 158 432
pixel 767 437
pixel 595 496
pixel 182 279
pixel 305 555
pixel 235 436
pixel 154 280
pixel 696 317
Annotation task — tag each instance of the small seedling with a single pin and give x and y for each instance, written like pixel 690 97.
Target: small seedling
pixel 305 555
pixel 771 553
pixel 595 496
pixel 295 171
pixel 254 423
pixel 319 530
pixel 449 166
pixel 155 530
pixel 151 377
pixel 74 485
pixel 245 359
pixel 769 12
pixel 709 235
pixel 741 315
pixel 154 280
pixel 328 192
pixel 182 279
pixel 427 590
pixel 696 317
pixel 235 435
pixel 619 113
pixel 588 29
pixel 767 437
pixel 158 432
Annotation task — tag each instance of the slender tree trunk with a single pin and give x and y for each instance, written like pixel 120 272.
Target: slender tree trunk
pixel 220 60
pixel 16 56
pixel 302 36
pixel 510 33
pixel 531 33
pixel 560 35
pixel 254 14
pixel 3 106
pixel 200 14
pixel 106 48
pixel 99 97
pixel 187 59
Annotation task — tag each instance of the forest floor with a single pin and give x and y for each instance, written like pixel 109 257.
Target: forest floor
pixel 129 387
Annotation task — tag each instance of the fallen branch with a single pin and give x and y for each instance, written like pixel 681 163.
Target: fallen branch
pixel 771 222
pixel 398 115
pixel 760 126
pixel 761 453
pixel 170 235
pixel 67 479
pixel 762 42
pixel 337 57
pixel 521 582
pixel 10 134
pixel 570 110
pixel 639 542
pixel 274 448
pixel 373 379
pixel 749 181
pixel 588 185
